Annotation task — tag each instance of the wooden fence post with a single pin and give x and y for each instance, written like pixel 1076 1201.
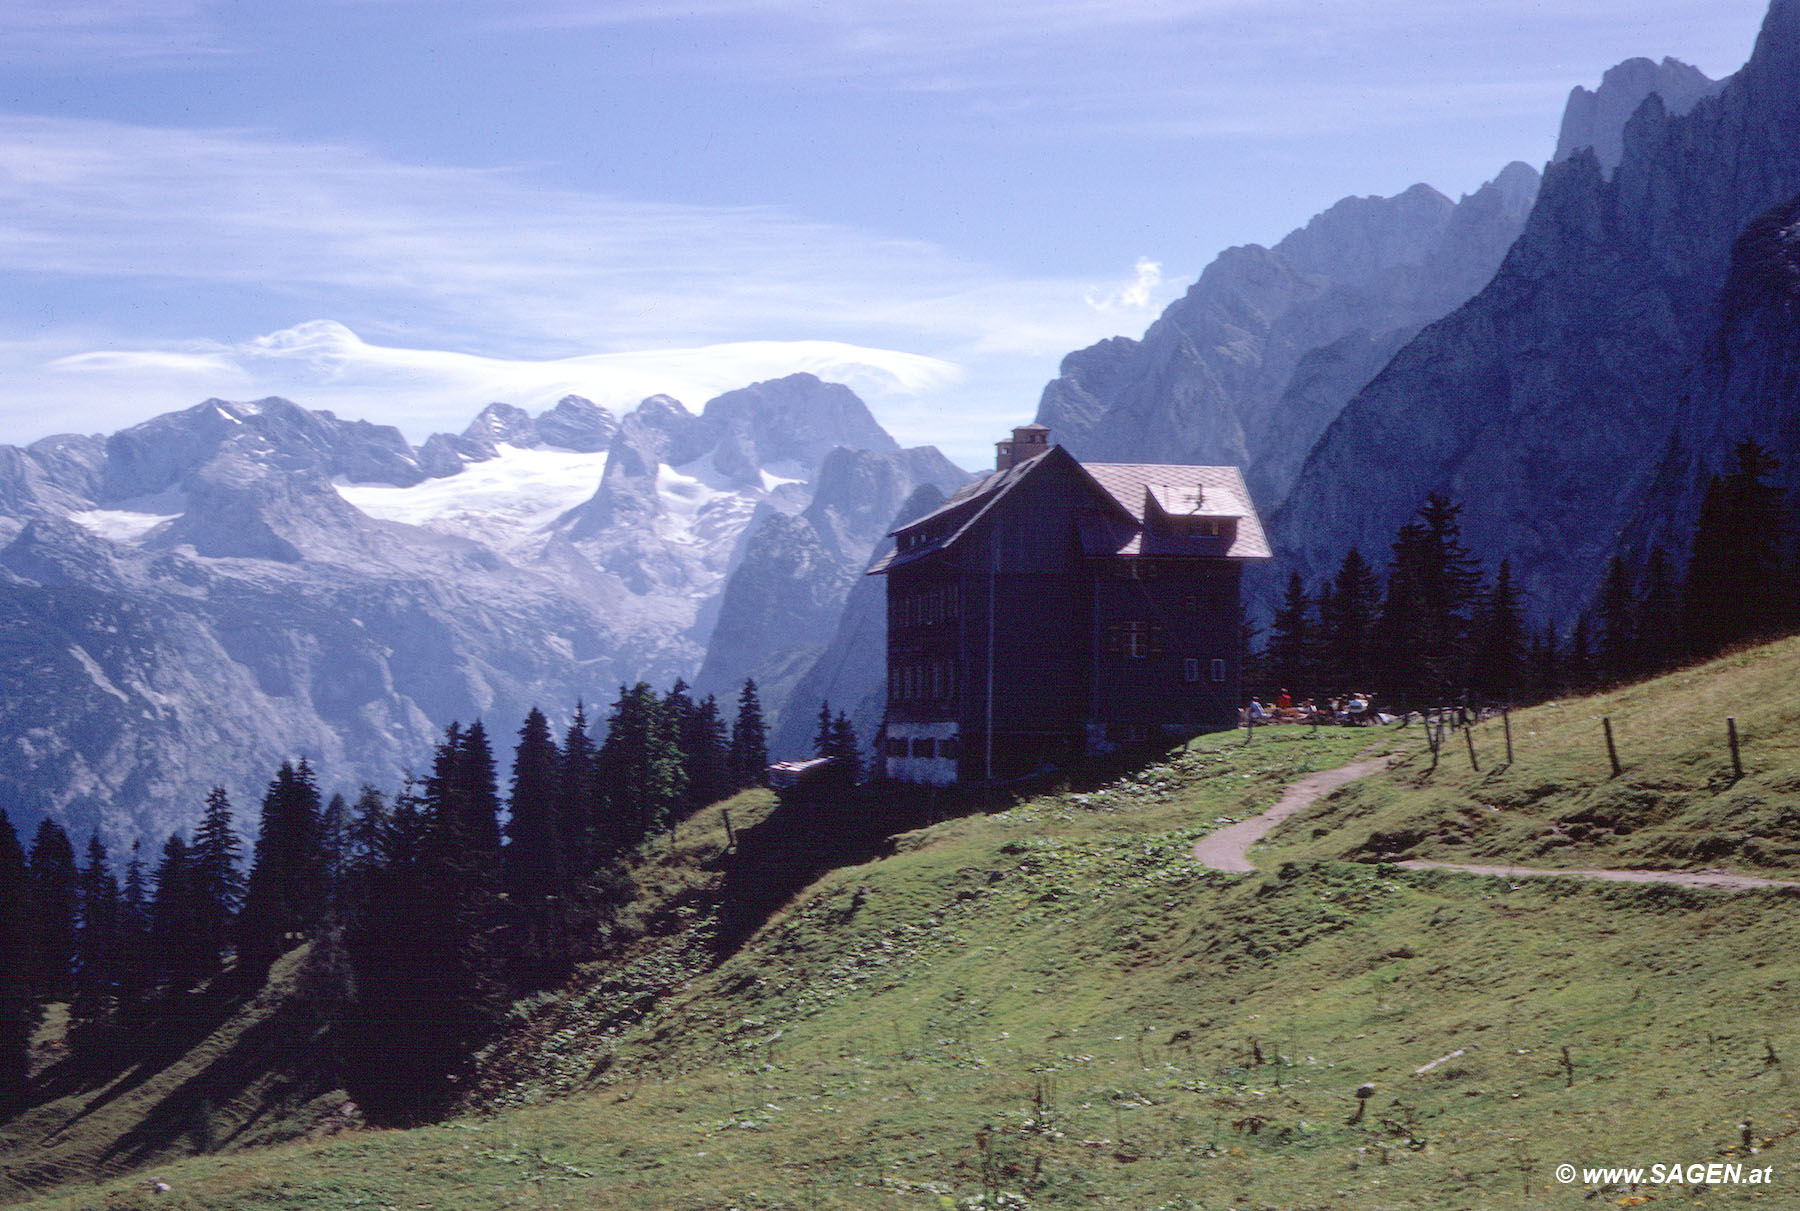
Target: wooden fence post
pixel 1737 765
pixel 1612 750
pixel 730 837
pixel 1469 735
pixel 1506 722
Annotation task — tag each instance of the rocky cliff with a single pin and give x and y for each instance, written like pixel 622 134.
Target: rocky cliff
pixel 1264 350
pixel 1548 403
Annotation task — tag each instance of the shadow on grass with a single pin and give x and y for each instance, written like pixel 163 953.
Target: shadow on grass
pixel 817 829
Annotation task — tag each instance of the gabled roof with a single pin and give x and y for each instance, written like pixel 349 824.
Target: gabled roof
pixel 1175 491
pixel 1125 495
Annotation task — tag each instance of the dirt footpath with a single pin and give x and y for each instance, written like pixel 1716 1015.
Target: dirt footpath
pixel 1225 849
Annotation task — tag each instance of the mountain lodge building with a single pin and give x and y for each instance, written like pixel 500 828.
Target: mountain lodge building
pixel 1058 608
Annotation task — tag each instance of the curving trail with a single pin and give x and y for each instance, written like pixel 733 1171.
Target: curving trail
pixel 1225 849
pixel 1228 848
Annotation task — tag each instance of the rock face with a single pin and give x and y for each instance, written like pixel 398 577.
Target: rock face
pixel 782 604
pixel 1595 121
pixel 1549 403
pixel 850 671
pixel 1264 350
pixel 197 598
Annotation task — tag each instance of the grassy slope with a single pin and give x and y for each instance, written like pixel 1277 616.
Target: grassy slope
pixel 233 1072
pixel 1676 805
pixel 1052 1007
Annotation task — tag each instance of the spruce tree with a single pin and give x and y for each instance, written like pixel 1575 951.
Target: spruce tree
pixel 55 905
pixel 704 751
pixel 749 759
pixel 97 952
pixel 844 747
pixel 822 735
pixel 19 1008
pixel 1347 625
pixel 641 774
pixel 424 954
pixel 1288 657
pixel 534 856
pixel 578 809
pixel 136 977
pixel 218 884
pixel 1735 571
pixel 283 897
pixel 334 827
pixel 1501 641
pixel 1658 613
pixel 1619 651
pixel 182 954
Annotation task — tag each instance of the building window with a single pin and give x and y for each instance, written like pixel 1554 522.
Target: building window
pixel 1218 670
pixel 1190 669
pixel 1136 637
pixel 924 747
pixel 947 748
pixel 896 748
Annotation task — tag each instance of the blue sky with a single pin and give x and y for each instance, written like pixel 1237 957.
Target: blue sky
pixel 402 209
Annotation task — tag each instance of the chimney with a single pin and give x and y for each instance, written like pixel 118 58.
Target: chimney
pixel 1028 441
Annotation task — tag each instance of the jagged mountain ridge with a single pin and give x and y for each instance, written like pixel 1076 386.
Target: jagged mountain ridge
pixel 196 598
pixel 1547 404
pixel 1265 348
pixel 782 604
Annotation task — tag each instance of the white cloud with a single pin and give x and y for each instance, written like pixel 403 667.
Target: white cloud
pixel 324 364
pixel 1135 295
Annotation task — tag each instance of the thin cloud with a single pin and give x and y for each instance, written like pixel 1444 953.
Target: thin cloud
pixel 475 258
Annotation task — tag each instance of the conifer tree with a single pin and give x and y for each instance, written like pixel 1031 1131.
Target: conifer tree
pixel 578 797
pixel 704 749
pixel 136 976
pixel 1500 640
pixel 641 774
pixel 334 825
pixel 19 1008
pixel 1735 572
pixel 1618 653
pixel 534 856
pixel 1545 664
pixel 55 903
pixel 1658 622
pixel 749 759
pixel 1578 664
pixel 1347 625
pixel 218 884
pixel 97 941
pixel 1288 658
pixel 1431 586
pixel 283 896
pixel 182 954
pixel 426 966
pixel 844 747
pixel 822 736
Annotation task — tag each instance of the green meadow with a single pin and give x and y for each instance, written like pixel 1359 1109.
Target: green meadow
pixel 1051 1005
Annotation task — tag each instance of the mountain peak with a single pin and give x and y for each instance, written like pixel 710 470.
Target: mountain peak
pixel 1596 119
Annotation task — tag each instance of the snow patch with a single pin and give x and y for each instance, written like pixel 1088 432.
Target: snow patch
pixel 95 673
pixel 504 502
pixel 131 523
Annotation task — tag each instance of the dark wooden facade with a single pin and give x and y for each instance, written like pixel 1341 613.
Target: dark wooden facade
pixel 1055 609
